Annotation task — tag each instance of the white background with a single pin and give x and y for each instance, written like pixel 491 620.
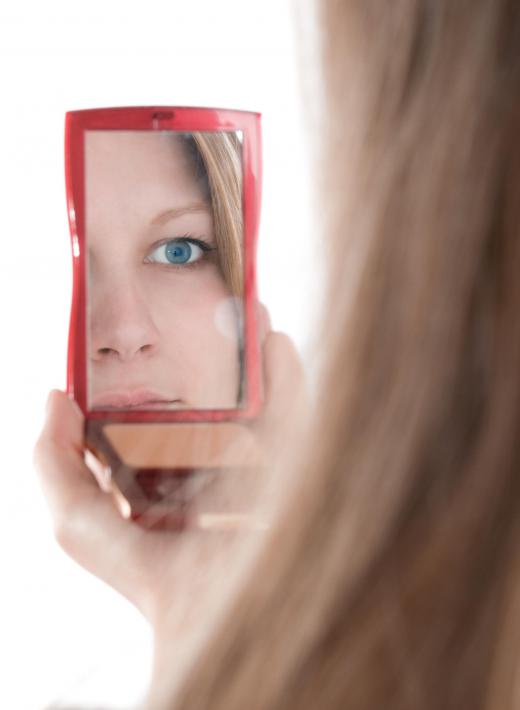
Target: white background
pixel 64 635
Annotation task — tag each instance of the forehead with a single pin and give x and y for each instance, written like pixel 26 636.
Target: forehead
pixel 137 170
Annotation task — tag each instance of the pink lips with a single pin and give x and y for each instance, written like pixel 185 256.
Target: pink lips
pixel 133 399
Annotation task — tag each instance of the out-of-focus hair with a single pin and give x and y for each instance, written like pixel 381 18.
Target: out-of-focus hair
pixel 391 578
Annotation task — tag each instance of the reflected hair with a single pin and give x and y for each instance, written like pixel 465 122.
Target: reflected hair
pixel 217 158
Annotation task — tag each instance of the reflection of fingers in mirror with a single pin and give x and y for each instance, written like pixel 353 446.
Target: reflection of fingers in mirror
pixel 164 235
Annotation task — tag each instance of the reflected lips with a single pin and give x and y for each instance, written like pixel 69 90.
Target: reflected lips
pixel 134 399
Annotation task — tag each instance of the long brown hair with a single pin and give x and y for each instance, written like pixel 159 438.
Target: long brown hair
pixel 390 577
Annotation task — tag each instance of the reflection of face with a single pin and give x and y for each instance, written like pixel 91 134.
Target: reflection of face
pixel 156 296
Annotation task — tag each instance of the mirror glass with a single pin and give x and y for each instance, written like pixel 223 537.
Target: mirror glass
pixel 165 257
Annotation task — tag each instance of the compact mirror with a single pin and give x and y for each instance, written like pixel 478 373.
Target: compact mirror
pixel 164 353
pixel 163 211
pixel 165 270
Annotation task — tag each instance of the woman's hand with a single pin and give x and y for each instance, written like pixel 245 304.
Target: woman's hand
pixel 153 569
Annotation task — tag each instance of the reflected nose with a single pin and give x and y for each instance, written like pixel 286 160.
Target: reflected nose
pixel 121 327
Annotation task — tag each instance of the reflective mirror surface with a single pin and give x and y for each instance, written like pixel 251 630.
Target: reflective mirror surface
pixel 165 270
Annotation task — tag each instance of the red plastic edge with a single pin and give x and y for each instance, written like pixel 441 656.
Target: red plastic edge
pixel 149 118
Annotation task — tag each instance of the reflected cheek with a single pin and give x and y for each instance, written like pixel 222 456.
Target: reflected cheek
pixel 191 300
pixel 198 328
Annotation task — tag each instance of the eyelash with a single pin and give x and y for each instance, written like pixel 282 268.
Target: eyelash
pixel 203 245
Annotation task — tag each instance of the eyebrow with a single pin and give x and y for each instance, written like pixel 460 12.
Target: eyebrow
pixel 165 216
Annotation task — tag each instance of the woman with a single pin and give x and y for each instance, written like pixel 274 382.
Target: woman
pixel 164 237
pixel 389 577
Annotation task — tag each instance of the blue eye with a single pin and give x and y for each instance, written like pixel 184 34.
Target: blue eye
pixel 178 252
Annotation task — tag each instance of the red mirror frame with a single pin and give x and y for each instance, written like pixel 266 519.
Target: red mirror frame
pixel 162 118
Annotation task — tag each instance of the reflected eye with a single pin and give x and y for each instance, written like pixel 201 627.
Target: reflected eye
pixel 179 252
